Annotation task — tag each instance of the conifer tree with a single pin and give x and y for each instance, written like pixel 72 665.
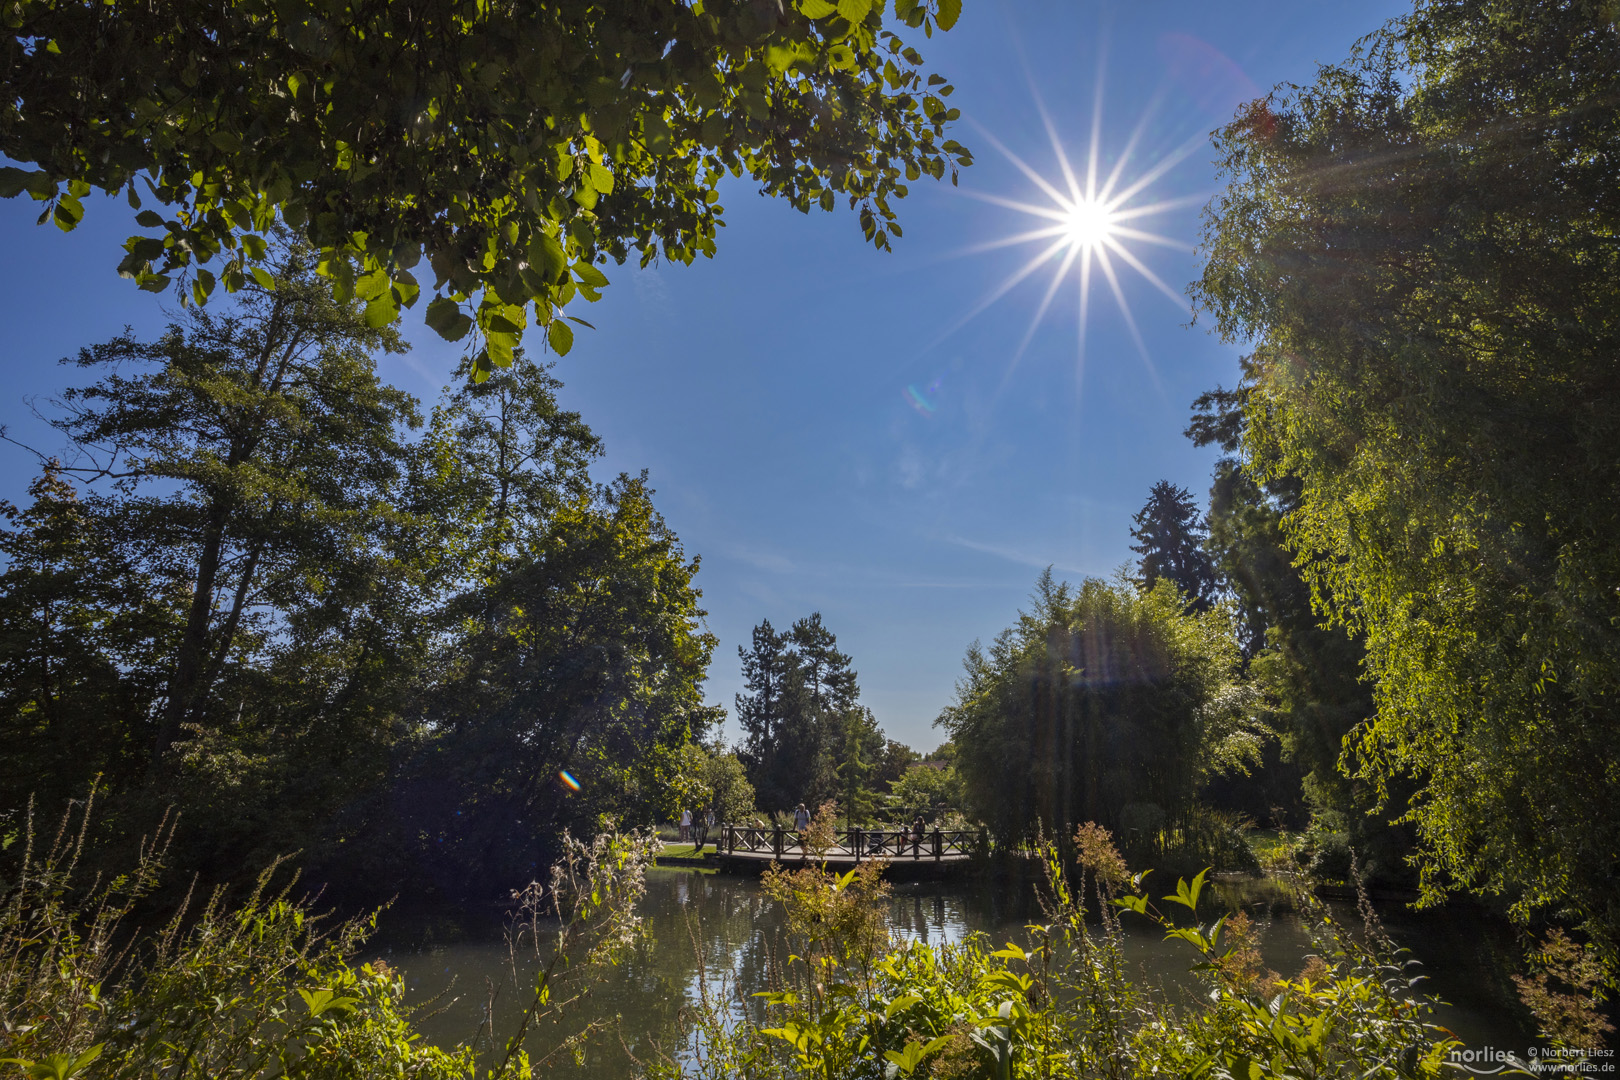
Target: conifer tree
pixel 1170 534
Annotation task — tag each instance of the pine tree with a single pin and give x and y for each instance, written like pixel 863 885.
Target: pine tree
pixel 1171 535
pixel 770 674
pixel 799 691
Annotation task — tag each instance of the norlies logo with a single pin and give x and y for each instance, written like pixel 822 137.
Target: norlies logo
pixel 1538 1061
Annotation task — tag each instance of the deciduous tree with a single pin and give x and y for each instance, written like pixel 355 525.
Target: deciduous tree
pixel 511 146
pixel 1420 247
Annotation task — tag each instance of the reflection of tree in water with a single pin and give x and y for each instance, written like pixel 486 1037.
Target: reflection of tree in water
pixel 737 933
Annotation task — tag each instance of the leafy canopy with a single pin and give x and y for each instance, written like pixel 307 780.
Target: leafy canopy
pixel 1421 247
pixel 514 146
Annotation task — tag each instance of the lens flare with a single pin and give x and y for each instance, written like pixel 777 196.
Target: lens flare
pixel 1086 222
pixel 568 780
pixel 920 399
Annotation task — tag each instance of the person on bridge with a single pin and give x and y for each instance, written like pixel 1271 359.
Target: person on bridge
pixel 801 818
pixel 917 830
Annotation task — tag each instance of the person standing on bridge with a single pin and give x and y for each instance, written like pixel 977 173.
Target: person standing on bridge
pixel 801 818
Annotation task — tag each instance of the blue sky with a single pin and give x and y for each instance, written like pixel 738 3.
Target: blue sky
pixel 822 425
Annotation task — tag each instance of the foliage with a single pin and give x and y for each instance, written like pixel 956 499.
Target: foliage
pixel 1420 247
pixel 512 146
pixel 1170 537
pixel 853 1003
pixel 583 657
pixel 718 780
pixel 255 594
pixel 925 792
pixel 1310 674
pixel 806 736
pixel 1570 1018
pixel 1103 703
pixel 250 988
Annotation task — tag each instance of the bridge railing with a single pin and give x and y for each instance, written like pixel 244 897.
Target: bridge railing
pixel 855 843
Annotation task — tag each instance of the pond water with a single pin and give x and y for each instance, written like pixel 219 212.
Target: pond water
pixel 733 927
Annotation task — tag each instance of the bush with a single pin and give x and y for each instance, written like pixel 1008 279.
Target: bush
pixel 253 989
pixel 850 1002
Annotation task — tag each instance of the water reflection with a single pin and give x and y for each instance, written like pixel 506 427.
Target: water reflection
pixel 729 928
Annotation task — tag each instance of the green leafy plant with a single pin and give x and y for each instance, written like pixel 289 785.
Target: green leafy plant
pixel 510 146
pixel 853 1002
pixel 254 988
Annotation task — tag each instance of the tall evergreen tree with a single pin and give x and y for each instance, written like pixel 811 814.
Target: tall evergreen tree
pixel 1170 534
pixel 766 709
pixel 800 692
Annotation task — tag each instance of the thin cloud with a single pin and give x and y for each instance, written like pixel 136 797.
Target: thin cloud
pixel 1039 561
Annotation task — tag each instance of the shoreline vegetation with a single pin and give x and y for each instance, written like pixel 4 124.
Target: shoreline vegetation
pixel 263 985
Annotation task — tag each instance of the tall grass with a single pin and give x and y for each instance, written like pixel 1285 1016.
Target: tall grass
pixel 259 987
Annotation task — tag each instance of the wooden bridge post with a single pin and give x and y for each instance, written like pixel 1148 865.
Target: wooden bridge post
pixel 938 849
pixel 777 844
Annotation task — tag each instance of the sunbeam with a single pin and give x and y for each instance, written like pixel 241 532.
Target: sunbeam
pixel 1087 224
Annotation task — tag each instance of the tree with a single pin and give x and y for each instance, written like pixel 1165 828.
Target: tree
pixel 413 658
pixel 83 640
pixel 514 146
pixel 1419 247
pixel 730 793
pixel 766 711
pixel 926 792
pixel 572 695
pixel 795 713
pixel 1171 535
pixel 253 454
pixel 1099 699
pixel 1311 673
pixel 859 740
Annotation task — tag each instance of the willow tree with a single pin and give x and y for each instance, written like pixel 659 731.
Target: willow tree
pixel 1421 247
pixel 514 146
pixel 1104 703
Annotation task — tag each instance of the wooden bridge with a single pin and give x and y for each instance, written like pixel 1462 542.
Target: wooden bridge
pixel 752 847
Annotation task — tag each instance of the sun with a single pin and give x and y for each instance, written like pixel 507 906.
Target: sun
pixel 1088 223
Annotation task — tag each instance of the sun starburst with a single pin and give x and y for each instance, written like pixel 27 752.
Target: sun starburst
pixel 1086 226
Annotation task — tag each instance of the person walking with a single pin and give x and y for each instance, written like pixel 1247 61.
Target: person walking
pixel 686 825
pixel 801 818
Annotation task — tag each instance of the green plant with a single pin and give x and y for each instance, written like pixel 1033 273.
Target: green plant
pixel 853 1003
pixel 253 988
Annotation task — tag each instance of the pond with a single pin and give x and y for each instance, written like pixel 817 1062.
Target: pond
pixel 732 926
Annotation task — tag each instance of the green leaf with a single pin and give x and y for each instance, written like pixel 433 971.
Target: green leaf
pixel 69 212
pixel 547 256
pixel 590 275
pixel 601 178
pixel 381 310
pixel 371 286
pixel 854 10
pixel 446 317
pixel 324 999
pixel 263 277
pixel 949 12
pixel 500 345
pixel 816 9
pixel 900 1004
pixel 561 337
